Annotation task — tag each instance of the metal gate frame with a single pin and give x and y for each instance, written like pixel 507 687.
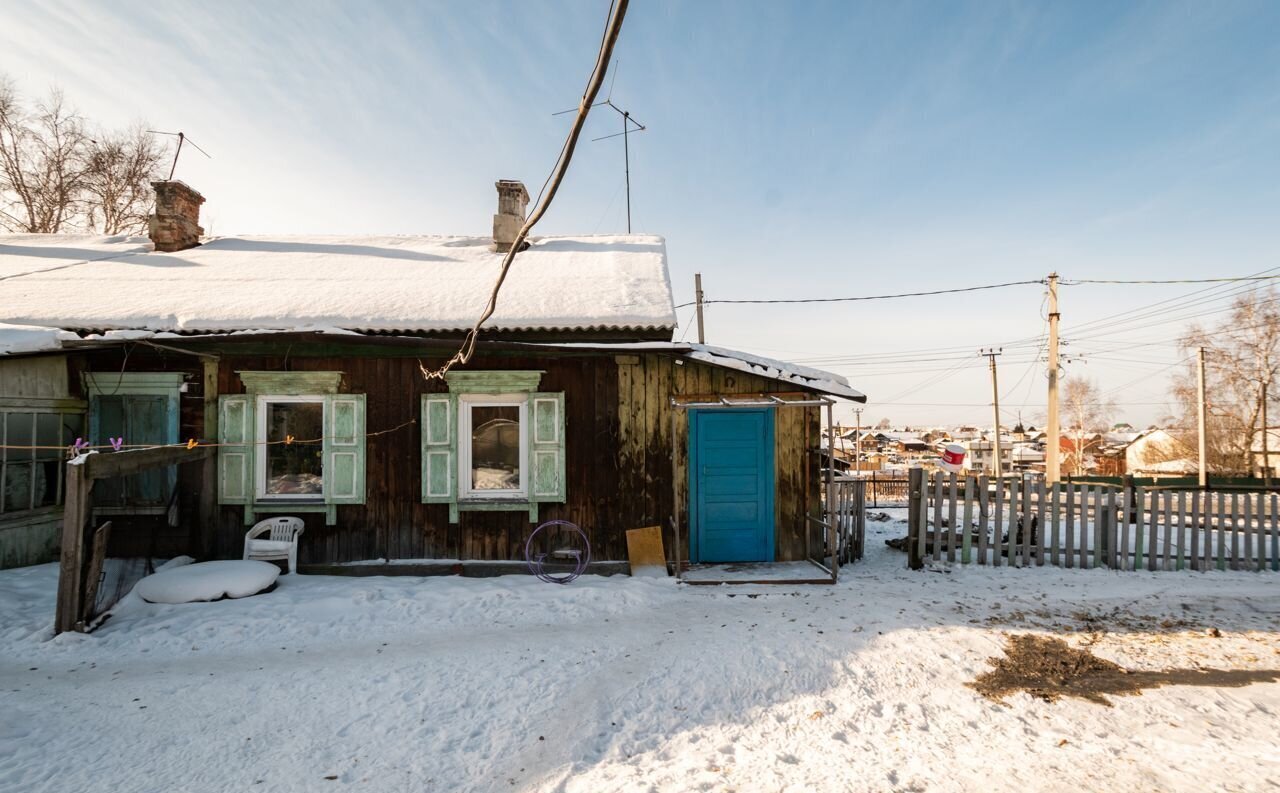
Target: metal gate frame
pixel 680 404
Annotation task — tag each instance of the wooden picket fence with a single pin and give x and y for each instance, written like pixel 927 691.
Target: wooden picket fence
pixel 848 505
pixel 1020 521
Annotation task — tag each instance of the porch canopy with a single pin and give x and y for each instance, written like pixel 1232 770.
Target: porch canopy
pixel 821 570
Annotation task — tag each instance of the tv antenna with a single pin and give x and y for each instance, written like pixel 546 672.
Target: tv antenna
pixel 629 125
pixel 182 138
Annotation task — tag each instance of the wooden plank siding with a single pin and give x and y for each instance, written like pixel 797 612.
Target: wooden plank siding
pixel 618 452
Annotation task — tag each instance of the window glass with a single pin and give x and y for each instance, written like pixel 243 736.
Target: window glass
pixel 495 447
pixel 295 468
pixel 72 428
pixel 20 431
pixel 49 436
pixel 17 486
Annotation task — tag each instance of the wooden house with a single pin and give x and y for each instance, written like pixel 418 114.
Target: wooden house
pixel 304 360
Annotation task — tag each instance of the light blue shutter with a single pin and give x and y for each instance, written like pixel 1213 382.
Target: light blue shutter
pixel 439 449
pixel 546 447
pixel 344 456
pixel 235 452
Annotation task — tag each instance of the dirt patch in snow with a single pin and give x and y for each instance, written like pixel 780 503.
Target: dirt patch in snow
pixel 1050 669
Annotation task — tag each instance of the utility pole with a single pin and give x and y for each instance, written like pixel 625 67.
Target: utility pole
pixel 995 401
pixel 858 440
pixel 1266 450
pixel 1054 457
pixel 1200 422
pixel 697 289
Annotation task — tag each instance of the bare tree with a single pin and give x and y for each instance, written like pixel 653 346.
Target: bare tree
pixel 1085 410
pixel 119 168
pixel 1240 374
pixel 41 162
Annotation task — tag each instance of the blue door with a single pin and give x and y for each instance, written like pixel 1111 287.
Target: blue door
pixel 731 485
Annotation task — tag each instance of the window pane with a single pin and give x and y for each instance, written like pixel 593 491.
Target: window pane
pixel 17 486
pixel 495 447
pixel 21 432
pixel 49 435
pixel 295 468
pixel 46 483
pixel 72 428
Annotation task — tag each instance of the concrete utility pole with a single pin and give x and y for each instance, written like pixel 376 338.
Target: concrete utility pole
pixel 1054 456
pixel 996 463
pixel 697 290
pixel 1200 422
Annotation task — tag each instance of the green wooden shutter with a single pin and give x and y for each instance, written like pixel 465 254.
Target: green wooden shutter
pixel 344 438
pixel 439 449
pixel 546 447
pixel 235 454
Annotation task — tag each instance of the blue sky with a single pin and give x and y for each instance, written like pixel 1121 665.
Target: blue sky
pixel 795 150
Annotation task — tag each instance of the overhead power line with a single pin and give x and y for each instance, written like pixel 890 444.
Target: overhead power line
pixel 877 297
pixel 1234 279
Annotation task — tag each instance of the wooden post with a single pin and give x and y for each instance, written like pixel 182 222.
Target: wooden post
pixel 69 615
pixel 915 518
pixel 697 292
pixel 208 504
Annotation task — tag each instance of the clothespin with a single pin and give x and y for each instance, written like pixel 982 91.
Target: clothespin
pixel 116 443
pixel 78 447
pixel 192 443
pixel 288 439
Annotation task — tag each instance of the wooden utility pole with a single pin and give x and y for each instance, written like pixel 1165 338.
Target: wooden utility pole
pixel 857 440
pixel 697 290
pixel 1266 445
pixel 996 463
pixel 1200 422
pixel 1054 457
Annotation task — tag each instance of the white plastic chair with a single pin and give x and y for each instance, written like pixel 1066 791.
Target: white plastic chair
pixel 282 542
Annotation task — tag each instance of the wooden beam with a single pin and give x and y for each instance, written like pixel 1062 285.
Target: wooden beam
pixel 97 560
pixel 102 466
pixel 69 616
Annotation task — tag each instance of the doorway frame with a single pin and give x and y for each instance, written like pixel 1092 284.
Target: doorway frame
pixel 681 403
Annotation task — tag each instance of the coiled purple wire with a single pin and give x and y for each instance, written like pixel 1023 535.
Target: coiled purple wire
pixel 535 561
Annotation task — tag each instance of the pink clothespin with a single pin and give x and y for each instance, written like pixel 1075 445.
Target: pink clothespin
pixel 116 443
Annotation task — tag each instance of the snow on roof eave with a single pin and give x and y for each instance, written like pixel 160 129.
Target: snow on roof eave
pixel 803 376
pixel 806 377
pixel 31 339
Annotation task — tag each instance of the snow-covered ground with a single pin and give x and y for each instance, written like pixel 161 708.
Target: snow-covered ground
pixel 406 684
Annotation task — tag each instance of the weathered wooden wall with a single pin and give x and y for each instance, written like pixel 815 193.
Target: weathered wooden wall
pixel 618 453
pixel 645 445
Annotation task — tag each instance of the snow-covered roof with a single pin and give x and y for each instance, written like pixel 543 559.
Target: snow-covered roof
pixel 816 379
pixel 408 284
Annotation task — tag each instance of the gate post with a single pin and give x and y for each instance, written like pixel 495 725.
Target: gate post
pixel 915 518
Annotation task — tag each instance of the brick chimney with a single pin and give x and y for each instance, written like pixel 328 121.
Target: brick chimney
pixel 513 199
pixel 176 224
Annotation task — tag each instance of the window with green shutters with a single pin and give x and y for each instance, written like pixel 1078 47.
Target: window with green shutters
pixel 493 443
pixel 291 444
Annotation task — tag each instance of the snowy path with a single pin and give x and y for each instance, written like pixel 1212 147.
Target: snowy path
pixel 402 684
